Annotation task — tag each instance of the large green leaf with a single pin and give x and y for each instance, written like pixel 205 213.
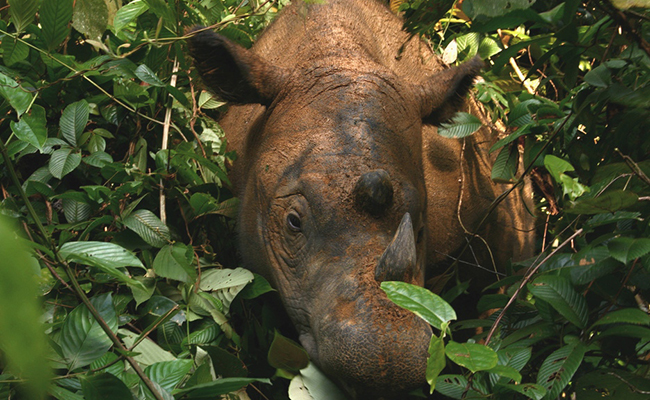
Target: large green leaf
pixel 82 339
pixel 425 304
pixel 558 368
pixel 19 98
pixel 473 356
pixel 149 227
pixel 22 341
pixel 22 12
pixel 612 384
pixel 146 75
pixel 74 120
pixel 168 374
pixel 559 293
pixel 55 16
pixel 495 8
pixel 148 351
pixel 128 13
pixel 456 387
pixel 319 386
pixel 13 50
pixel 626 315
pixel 90 17
pixel 64 161
pixel 175 262
pixel 460 126
pixel 225 284
pixel 104 386
pixel 607 203
pixel 626 249
pixel 32 127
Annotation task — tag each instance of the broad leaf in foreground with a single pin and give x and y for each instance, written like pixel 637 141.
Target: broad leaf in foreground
pixel 558 368
pixel 425 304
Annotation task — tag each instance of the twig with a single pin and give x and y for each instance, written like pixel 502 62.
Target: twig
pixel 527 277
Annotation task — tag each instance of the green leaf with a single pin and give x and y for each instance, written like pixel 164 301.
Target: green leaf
pixel 108 254
pixel 319 386
pixel 149 352
pixel 215 388
pixel 460 126
pixel 64 161
pixel 422 302
pixel 626 315
pixel 104 386
pixel 494 8
pixel 505 166
pixel 22 12
pixel 98 159
pixel 225 364
pixel 559 293
pixel 22 341
pixel 599 77
pixel 149 227
pixel 74 120
pixel 108 257
pixel 607 203
pixel 455 387
pixel 168 374
pixel 19 98
pixel 511 357
pixel 82 339
pixel 436 360
pixel 530 390
pixel 75 211
pixel 225 284
pixel 558 368
pixel 506 372
pixel 13 50
pixel 286 354
pixel 162 10
pixel 473 356
pixel 626 249
pixel 32 127
pixel 128 14
pixel 612 384
pixel 146 75
pixel 55 16
pixel 176 262
pixel 90 17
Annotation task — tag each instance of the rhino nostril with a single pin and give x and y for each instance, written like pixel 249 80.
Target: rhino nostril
pixel 374 192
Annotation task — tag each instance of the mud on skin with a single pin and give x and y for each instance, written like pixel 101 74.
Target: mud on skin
pixel 344 183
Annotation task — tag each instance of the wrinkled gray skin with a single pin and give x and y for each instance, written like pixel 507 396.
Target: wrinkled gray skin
pixel 345 184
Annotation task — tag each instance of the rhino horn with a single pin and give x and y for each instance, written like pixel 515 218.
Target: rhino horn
pixel 398 262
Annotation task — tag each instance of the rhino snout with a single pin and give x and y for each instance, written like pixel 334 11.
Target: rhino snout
pixel 399 261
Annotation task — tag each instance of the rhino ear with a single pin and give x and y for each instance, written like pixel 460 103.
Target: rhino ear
pixel 234 74
pixel 444 93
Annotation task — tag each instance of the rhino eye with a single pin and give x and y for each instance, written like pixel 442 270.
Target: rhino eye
pixel 293 221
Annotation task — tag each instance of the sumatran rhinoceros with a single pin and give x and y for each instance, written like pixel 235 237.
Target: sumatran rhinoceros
pixel 344 182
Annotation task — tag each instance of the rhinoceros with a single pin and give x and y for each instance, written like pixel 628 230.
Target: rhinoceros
pixel 344 182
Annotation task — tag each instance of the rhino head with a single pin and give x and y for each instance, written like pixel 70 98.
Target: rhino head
pixel 333 200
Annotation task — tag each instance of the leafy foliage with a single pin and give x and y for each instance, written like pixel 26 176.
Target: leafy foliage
pixel 114 169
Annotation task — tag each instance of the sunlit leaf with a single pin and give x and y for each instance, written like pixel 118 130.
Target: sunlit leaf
pixel 460 126
pixel 128 13
pixel 19 98
pixel 435 361
pixel 473 356
pixel 425 304
pixel 22 12
pixel 73 121
pixel 626 249
pixel 64 161
pixel 175 262
pixel 32 127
